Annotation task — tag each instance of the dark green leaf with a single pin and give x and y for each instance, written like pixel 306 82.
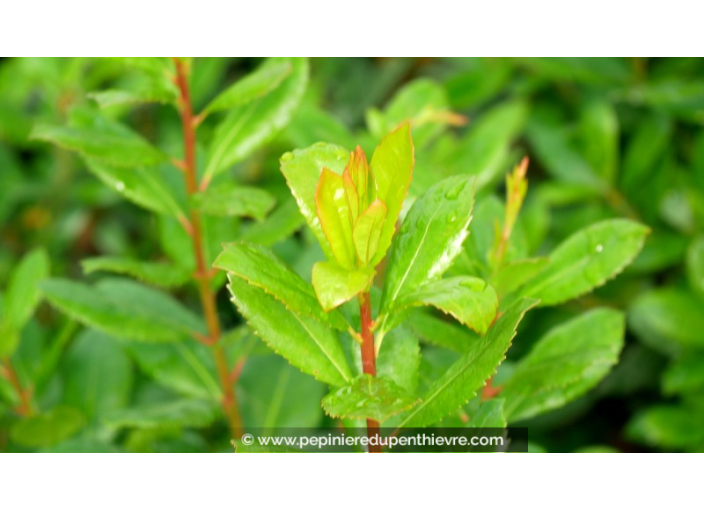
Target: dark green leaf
pixel 234 201
pixel 431 237
pixel 260 267
pixel 376 398
pixel 306 343
pixel 461 381
pixel 48 428
pixel 177 413
pixel 253 86
pixel 124 309
pixel 565 363
pixel 97 375
pixel 156 273
pixel 586 260
pixel 251 125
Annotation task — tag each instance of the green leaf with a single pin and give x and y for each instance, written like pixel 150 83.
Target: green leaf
pixel 695 265
pixel 685 375
pixel 484 150
pixel 667 427
pixel 468 299
pixel 569 360
pixel 269 394
pixel 431 237
pixel 335 285
pixel 487 414
pixel 241 201
pixel 102 140
pixel 376 398
pixel 440 332
pixel 302 169
pixel 253 86
pixel 667 315
pixel 156 273
pixel 176 413
pixel 367 231
pixel 283 222
pixel 251 125
pixel 21 298
pixel 144 187
pixel 515 273
pixel 392 169
pixel 586 260
pixel 47 429
pixel 185 367
pixel 97 375
pixel 599 131
pixel 399 359
pixel 464 377
pixel 113 97
pixel 124 309
pixel 335 217
pixel 304 342
pixel 260 267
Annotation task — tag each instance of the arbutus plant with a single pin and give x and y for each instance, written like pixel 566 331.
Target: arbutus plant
pixel 392 262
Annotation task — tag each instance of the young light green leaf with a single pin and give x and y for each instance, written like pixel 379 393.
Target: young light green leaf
pixel 335 217
pixel 241 201
pixel 430 238
pixel 335 285
pixel 586 260
pixel 376 398
pixel 468 299
pixel 392 168
pixel 156 273
pixel 260 267
pixel 124 309
pixel 175 413
pixel 249 126
pixel 144 187
pixel 367 231
pixel 461 381
pixel 253 86
pixel 304 342
pixel 565 363
pixel 101 139
pixel 302 169
pixel 47 429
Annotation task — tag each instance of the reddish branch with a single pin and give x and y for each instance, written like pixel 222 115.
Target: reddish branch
pixel 368 359
pixel 25 407
pixel 203 275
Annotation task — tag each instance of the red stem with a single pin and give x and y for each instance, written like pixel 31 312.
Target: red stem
pixel 25 407
pixel 368 359
pixel 203 275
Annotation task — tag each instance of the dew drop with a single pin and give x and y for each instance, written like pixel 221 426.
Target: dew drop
pixel 599 248
pixel 451 218
pixel 120 186
pixel 453 193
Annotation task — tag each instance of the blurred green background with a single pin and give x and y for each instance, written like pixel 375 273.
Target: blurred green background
pixel 605 137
